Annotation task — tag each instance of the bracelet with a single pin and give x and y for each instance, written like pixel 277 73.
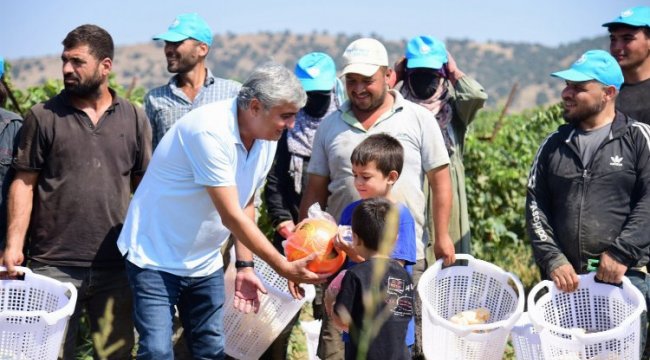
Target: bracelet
pixel 242 264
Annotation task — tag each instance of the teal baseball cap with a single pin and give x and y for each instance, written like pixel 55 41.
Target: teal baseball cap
pixel 638 16
pixel 316 71
pixel 596 65
pixel 187 26
pixel 425 52
pixel 2 66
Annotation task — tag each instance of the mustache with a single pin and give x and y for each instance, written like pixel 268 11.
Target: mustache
pixel 70 77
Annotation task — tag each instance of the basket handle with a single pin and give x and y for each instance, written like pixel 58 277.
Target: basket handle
pixel 532 311
pixel 19 269
pixel 597 280
pixel 67 310
pixel 438 264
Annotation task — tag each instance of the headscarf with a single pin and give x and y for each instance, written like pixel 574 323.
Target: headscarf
pixel 440 105
pixel 301 138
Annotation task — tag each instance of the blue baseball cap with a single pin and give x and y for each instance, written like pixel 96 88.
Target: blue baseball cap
pixel 316 71
pixel 187 26
pixel 638 16
pixel 425 52
pixel 596 65
pixel 2 66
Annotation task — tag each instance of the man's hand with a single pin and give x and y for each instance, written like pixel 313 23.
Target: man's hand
pixel 444 249
pixel 454 72
pixel 285 228
pixel 297 272
pixel 12 258
pixel 610 270
pixel 296 291
pixel 247 284
pixel 565 278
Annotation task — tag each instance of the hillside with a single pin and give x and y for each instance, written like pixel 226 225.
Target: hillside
pixel 496 65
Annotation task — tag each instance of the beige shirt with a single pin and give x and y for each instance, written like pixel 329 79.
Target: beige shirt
pixel 424 149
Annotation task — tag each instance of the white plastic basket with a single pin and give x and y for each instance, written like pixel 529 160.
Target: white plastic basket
pixel 525 340
pixel 34 312
pixel 247 336
pixel 449 291
pixel 610 315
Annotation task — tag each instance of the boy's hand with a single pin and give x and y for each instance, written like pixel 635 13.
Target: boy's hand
pixel 286 228
pixel 343 245
pixel 444 249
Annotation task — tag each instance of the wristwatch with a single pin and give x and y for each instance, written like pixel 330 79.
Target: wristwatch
pixel 242 264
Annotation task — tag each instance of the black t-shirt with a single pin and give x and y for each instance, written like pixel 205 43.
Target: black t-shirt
pixel 634 100
pixel 396 298
pixel 84 182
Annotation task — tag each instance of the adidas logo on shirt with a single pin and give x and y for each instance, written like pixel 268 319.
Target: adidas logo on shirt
pixel 616 161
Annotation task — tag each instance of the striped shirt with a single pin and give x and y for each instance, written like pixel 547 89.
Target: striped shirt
pixel 166 104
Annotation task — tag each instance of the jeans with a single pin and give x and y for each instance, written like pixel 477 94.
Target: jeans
pixel 95 286
pixel 642 282
pixel 200 303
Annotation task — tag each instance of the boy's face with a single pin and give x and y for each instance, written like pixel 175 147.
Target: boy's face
pixel 370 182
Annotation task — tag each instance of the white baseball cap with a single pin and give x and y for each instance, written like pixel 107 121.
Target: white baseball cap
pixel 364 56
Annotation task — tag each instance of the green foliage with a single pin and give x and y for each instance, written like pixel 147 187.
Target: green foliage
pixel 34 95
pixel 37 94
pixel 496 169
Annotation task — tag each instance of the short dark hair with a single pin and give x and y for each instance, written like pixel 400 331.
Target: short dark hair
pixel 369 220
pixel 99 41
pixel 614 27
pixel 383 149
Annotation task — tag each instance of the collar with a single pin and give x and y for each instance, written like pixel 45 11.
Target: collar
pixel 348 115
pixel 209 79
pixel 619 127
pixel 235 123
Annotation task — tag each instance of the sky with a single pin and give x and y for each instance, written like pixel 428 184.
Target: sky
pixel 36 27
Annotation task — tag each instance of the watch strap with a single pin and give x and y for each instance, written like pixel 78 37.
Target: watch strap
pixel 242 264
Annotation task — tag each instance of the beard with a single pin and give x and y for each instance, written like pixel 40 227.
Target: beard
pixel 180 65
pixel 84 88
pixel 581 114
pixel 375 102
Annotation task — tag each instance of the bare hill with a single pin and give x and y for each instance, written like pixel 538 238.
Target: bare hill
pixel 496 65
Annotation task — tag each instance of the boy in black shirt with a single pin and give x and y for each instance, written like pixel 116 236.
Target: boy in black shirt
pixel 391 297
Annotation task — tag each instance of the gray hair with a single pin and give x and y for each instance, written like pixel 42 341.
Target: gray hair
pixel 272 84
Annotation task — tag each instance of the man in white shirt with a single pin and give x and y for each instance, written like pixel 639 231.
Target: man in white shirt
pixel 198 190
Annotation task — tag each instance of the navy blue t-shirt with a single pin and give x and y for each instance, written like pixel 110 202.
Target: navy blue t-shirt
pixel 405 249
pixel 395 298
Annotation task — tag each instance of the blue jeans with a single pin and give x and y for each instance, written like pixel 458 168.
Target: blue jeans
pixel 642 282
pixel 95 286
pixel 200 303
